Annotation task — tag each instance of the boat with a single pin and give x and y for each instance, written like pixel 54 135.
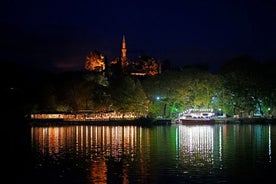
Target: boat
pixel 197 116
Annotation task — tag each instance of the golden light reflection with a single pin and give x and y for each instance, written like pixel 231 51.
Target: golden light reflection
pixel 108 152
pixel 96 143
pixel 98 172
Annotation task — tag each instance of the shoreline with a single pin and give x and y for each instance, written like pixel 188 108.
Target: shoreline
pixel 144 122
pixel 123 122
pixel 246 121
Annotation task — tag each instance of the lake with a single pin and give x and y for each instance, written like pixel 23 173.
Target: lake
pixel 221 153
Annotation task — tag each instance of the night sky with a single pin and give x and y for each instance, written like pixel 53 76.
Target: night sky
pixel 58 34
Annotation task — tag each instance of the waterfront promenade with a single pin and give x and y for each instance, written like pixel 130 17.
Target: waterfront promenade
pixel 125 119
pixel 94 119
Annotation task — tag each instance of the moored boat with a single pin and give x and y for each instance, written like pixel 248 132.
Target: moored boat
pixel 197 116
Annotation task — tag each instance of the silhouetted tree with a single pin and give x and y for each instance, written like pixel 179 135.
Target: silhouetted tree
pixel 242 80
pixel 128 96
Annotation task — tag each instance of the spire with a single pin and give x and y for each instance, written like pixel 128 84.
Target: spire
pixel 124 50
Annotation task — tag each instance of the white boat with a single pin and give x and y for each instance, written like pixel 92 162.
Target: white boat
pixel 197 116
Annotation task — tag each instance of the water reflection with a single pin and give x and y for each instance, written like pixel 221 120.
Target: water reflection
pixel 97 141
pixel 132 154
pixel 196 145
pixel 94 143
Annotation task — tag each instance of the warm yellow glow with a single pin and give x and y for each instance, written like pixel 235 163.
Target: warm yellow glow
pixel 98 172
pixel 87 140
pixel 95 62
pixel 103 116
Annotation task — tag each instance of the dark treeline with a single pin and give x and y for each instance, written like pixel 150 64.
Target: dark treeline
pixel 242 86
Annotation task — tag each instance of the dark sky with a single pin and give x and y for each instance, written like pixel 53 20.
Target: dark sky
pixel 58 34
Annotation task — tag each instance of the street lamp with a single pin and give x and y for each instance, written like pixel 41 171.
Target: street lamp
pixel 163 100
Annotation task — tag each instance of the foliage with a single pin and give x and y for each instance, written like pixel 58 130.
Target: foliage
pixel 242 86
pixel 128 96
pixel 146 64
pixel 95 61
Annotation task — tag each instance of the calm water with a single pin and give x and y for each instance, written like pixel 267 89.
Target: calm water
pixel 159 154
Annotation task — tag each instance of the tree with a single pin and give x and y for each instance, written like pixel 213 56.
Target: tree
pixel 128 96
pixel 148 65
pixel 98 92
pixel 202 88
pixel 167 92
pixel 73 91
pixel 268 84
pixel 242 80
pixel 95 61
